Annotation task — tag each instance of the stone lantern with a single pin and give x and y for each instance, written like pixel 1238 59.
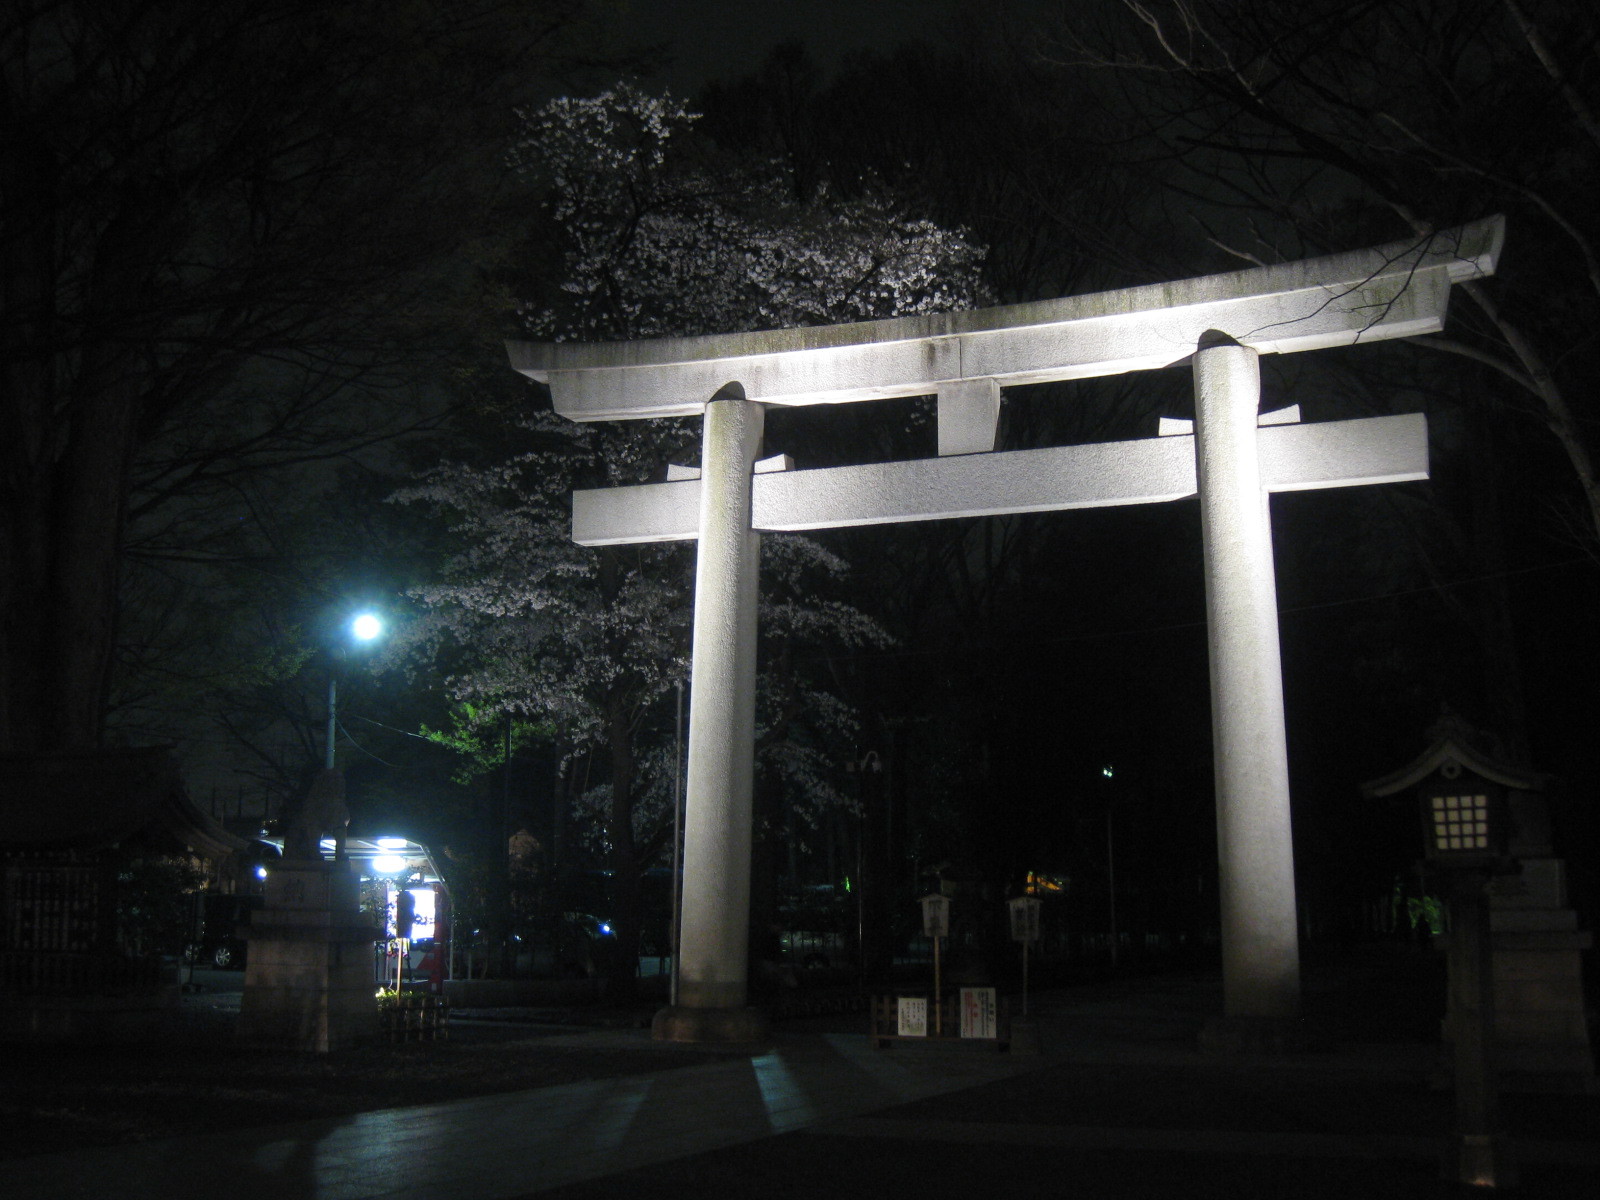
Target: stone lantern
pixel 1515 1016
pixel 1541 1034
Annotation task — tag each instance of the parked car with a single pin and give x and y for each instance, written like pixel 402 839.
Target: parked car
pixel 219 925
pixel 813 928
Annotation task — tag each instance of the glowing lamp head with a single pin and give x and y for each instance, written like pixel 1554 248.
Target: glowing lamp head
pixel 1466 824
pixel 388 864
pixel 366 627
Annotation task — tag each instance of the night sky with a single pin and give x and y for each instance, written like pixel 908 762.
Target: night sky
pixel 712 41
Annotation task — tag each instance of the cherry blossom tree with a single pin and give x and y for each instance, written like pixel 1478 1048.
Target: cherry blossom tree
pixel 660 235
pixel 651 231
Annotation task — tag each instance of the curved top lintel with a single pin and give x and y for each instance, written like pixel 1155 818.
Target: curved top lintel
pixel 1395 290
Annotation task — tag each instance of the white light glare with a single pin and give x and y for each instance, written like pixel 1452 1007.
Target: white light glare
pixel 388 864
pixel 366 627
pixel 1106 771
pixel 391 843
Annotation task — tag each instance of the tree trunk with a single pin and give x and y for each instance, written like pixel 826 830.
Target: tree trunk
pixel 74 394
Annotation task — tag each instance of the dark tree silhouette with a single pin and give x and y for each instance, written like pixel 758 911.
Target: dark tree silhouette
pixel 220 219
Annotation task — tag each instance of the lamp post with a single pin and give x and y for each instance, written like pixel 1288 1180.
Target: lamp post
pixel 1025 929
pixel 936 925
pixel 365 628
pixel 868 763
pixel 325 804
pixel 1108 772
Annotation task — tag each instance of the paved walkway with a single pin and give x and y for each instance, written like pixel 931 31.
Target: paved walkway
pixel 508 1145
pixel 1119 1103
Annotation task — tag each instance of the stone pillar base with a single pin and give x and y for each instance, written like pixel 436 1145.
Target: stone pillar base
pixel 308 981
pixel 1258 1035
pixel 308 994
pixel 1025 1037
pixel 713 1025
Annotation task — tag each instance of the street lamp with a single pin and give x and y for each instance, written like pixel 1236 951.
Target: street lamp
pixel 365 628
pixel 324 807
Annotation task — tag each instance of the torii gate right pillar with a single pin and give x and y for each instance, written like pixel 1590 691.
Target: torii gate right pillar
pixel 1260 946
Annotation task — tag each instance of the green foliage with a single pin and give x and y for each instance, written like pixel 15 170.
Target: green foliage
pixel 1422 910
pixel 478 734
pixel 1426 910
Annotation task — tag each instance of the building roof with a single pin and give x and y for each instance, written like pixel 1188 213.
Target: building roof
pixel 100 799
pixel 363 851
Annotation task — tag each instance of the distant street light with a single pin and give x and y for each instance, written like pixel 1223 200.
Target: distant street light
pixel 868 762
pixel 1108 772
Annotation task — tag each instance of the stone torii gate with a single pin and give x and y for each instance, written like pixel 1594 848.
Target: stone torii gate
pixel 1232 456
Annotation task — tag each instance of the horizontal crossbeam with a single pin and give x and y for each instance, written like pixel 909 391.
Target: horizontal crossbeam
pixel 1143 471
pixel 1400 290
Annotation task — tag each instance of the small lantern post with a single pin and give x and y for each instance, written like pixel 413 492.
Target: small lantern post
pixel 1024 929
pixel 1464 811
pixel 936 925
pixel 1465 836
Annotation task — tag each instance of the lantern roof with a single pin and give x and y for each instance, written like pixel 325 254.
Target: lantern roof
pixel 1452 740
